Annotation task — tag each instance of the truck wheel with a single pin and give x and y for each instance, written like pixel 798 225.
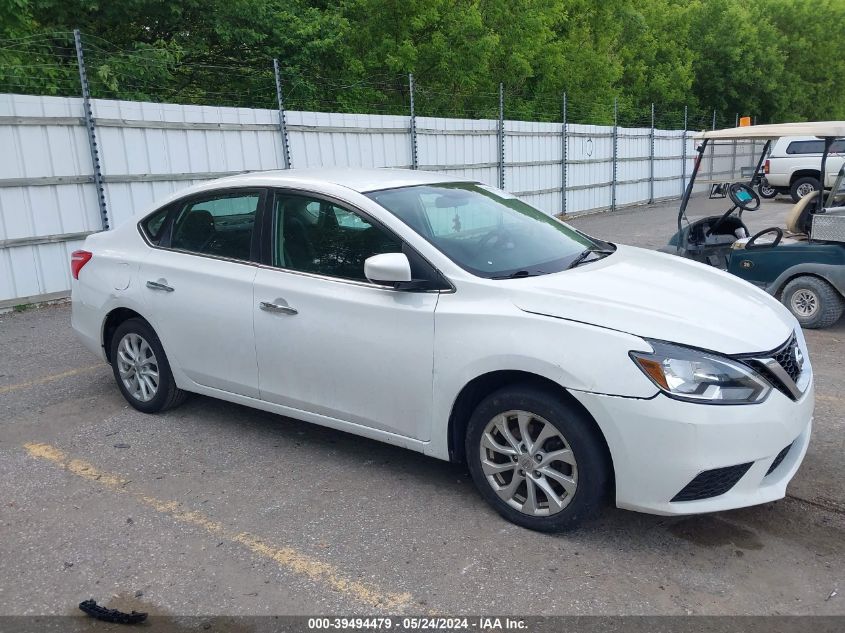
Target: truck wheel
pixel 536 458
pixel 802 186
pixel 813 301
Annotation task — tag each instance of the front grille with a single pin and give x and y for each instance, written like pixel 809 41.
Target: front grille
pixel 712 483
pixel 786 358
pixel 789 357
pixel 780 457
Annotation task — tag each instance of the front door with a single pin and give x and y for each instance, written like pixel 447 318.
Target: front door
pixel 330 342
pixel 199 290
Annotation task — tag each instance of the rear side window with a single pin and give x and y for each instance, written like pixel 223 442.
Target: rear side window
pixel 217 225
pixel 153 225
pixel 814 147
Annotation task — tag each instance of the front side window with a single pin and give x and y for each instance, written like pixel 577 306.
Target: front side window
pixel 317 236
pixel 486 231
pixel 220 225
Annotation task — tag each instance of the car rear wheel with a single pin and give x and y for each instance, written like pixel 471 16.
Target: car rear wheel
pixel 803 186
pixel 813 301
pixel 536 458
pixel 141 369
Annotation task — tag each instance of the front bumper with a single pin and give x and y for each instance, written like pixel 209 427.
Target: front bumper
pixel 660 445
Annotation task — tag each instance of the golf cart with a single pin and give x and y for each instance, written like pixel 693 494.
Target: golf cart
pixel 802 263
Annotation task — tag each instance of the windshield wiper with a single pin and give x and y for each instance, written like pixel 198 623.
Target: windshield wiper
pixel 586 253
pixel 519 274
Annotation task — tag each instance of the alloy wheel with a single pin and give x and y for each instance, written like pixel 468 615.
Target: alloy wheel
pixel 805 189
pixel 528 463
pixel 138 367
pixel 804 302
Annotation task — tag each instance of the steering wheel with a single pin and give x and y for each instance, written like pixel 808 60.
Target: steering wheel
pixel 493 237
pixel 778 237
pixel 744 199
pixel 744 196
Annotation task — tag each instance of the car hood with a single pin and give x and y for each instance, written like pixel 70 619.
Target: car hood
pixel 660 296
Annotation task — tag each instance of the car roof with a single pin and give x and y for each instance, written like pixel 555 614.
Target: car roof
pixel 818 129
pixel 357 179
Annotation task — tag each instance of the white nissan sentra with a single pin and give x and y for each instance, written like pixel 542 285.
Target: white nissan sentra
pixel 451 318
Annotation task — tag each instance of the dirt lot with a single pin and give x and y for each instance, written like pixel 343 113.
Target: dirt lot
pixel 214 508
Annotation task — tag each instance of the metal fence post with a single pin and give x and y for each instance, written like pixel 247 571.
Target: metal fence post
pixel 615 153
pixel 501 136
pixel 563 159
pixel 413 123
pixel 684 155
pixel 733 155
pixel 283 130
pixel 651 159
pixel 713 148
pixel 92 132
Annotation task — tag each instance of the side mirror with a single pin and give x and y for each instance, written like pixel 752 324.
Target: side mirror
pixel 388 268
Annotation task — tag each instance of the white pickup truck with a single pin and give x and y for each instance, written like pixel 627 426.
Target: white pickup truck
pixel 795 161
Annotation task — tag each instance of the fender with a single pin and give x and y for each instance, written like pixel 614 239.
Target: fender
pixel 833 274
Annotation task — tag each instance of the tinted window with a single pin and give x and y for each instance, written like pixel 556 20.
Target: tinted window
pixel 320 237
pixel 154 224
pixel 220 226
pixel 814 147
pixel 484 230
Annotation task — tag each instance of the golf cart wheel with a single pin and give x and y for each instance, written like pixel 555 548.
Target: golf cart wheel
pixel 803 186
pixel 767 192
pixel 536 458
pixel 813 301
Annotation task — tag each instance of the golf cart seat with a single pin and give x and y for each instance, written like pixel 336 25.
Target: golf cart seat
pixel 796 223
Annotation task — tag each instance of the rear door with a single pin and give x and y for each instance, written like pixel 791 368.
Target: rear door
pixel 330 342
pixel 198 286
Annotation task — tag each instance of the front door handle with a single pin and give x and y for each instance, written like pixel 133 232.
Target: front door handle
pixel 158 285
pixel 275 307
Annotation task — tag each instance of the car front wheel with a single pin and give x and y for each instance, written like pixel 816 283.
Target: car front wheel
pixel 536 458
pixel 141 369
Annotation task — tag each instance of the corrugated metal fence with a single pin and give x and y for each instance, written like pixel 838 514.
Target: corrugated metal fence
pixel 48 200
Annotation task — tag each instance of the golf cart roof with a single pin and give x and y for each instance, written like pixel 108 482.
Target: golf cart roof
pixel 821 129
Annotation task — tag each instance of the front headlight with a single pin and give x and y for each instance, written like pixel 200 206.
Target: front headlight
pixel 689 374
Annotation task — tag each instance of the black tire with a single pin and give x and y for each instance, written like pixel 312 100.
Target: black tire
pixel 767 192
pixel 167 395
pixel 592 472
pixel 800 182
pixel 829 304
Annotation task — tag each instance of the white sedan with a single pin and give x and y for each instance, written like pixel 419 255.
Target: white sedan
pixel 451 318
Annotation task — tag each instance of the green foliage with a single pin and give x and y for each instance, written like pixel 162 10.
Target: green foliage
pixel 766 58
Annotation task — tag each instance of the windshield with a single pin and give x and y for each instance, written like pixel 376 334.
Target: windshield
pixel 486 231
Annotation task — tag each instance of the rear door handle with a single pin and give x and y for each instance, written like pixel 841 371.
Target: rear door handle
pixel 275 307
pixel 158 285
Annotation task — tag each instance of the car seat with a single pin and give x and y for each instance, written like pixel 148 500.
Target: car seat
pixel 196 231
pixel 298 248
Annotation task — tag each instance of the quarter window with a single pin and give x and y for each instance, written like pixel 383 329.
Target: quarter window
pixel 220 226
pixel 154 224
pixel 320 237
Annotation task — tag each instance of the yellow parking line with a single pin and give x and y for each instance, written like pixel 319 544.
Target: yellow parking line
pixel 45 379
pixel 285 557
